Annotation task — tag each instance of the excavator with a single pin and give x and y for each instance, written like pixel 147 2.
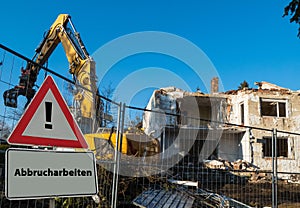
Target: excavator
pixel 87 106
pixel 82 67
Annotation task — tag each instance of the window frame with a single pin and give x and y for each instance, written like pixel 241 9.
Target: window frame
pixel 242 113
pixel 278 146
pixel 278 102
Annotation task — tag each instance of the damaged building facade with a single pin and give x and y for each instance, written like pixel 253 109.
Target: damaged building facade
pixel 266 107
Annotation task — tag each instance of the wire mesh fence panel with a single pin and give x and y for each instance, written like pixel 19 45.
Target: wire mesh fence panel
pixel 141 166
pixel 166 156
pixel 209 165
pixel 105 145
pixel 10 67
pixel 289 190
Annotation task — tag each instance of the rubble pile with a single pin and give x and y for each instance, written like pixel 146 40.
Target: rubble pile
pixel 239 167
pixel 226 165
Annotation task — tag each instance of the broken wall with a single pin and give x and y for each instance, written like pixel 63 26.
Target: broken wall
pixel 162 103
pixel 267 108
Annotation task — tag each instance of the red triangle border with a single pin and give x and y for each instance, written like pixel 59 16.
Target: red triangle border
pixel 16 136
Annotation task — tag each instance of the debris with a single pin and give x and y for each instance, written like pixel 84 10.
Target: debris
pixel 214 164
pixel 243 165
pixel 269 86
pixel 294 178
pixel 226 165
pixel 185 198
pixel 186 183
pixel 256 176
pixel 210 199
pixel 238 168
pixel 163 198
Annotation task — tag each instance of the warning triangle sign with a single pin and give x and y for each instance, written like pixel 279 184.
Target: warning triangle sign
pixel 47 121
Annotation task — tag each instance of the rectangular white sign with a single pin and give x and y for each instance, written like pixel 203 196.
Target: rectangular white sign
pixel 32 174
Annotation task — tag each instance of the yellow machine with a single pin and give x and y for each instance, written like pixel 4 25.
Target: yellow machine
pixel 88 107
pixel 82 67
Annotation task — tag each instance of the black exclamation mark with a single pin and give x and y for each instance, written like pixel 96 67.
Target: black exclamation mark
pixel 48 106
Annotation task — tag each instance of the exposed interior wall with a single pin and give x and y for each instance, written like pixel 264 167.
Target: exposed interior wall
pixel 230 147
pixel 196 144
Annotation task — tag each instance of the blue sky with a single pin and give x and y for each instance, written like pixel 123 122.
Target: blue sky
pixel 245 40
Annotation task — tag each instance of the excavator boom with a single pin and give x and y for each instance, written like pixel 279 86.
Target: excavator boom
pixel 81 66
pixel 87 106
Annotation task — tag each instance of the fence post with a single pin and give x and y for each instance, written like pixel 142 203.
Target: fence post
pixel 118 148
pixel 274 168
pixel 51 203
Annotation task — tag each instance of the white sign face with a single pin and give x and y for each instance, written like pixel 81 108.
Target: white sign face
pixel 56 127
pixel 32 174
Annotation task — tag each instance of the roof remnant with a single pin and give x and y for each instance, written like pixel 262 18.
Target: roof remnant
pixel 184 199
pixel 263 87
pixel 269 86
pixel 163 198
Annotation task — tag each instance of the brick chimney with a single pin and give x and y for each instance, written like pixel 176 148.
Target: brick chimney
pixel 214 85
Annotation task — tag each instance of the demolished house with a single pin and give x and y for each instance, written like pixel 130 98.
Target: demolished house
pixel 268 106
pixel 174 121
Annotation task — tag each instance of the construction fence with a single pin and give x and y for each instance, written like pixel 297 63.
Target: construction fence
pixel 205 164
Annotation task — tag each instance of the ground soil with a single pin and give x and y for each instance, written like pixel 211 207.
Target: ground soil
pixel 259 194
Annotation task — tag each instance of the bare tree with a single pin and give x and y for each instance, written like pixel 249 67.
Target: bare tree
pixel 4 130
pixel 107 92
